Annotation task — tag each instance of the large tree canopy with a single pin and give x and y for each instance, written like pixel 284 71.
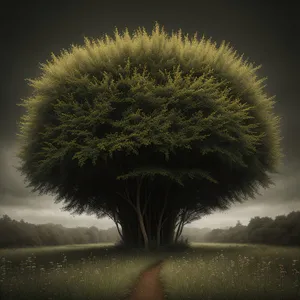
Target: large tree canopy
pixel 150 130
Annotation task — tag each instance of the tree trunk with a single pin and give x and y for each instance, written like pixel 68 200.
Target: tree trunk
pixel 119 230
pixel 140 215
pixel 180 226
pixel 168 227
pixel 160 220
pixel 132 234
pixel 140 225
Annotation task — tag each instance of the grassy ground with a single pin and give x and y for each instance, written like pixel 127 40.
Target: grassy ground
pixel 231 271
pixel 70 272
pixel 206 271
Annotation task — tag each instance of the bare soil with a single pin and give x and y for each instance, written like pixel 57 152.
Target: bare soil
pixel 149 286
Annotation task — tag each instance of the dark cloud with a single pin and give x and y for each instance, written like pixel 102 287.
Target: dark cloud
pixel 12 183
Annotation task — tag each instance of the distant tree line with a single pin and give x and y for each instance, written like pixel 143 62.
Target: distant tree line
pixel 283 230
pixel 22 234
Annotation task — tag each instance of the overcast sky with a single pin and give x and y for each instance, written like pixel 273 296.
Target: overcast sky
pixel 267 34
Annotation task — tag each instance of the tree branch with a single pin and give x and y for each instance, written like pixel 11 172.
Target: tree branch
pixel 126 197
pixel 181 224
pixel 146 202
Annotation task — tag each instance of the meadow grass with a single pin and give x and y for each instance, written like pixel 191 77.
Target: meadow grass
pixel 233 271
pixel 71 272
pixel 102 271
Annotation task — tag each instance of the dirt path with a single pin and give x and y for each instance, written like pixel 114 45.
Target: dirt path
pixel 149 286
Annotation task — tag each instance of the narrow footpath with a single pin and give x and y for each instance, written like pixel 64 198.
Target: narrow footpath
pixel 149 286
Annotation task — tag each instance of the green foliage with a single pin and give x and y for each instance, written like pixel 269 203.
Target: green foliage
pixel 149 105
pixel 176 175
pixel 18 234
pixel 283 230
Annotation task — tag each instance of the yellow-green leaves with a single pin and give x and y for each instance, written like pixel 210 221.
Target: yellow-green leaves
pixel 140 100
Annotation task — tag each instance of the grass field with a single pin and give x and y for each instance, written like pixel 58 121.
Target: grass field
pixel 233 271
pixel 206 271
pixel 70 272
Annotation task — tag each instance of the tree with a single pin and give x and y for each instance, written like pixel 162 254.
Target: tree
pixel 238 224
pixel 150 130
